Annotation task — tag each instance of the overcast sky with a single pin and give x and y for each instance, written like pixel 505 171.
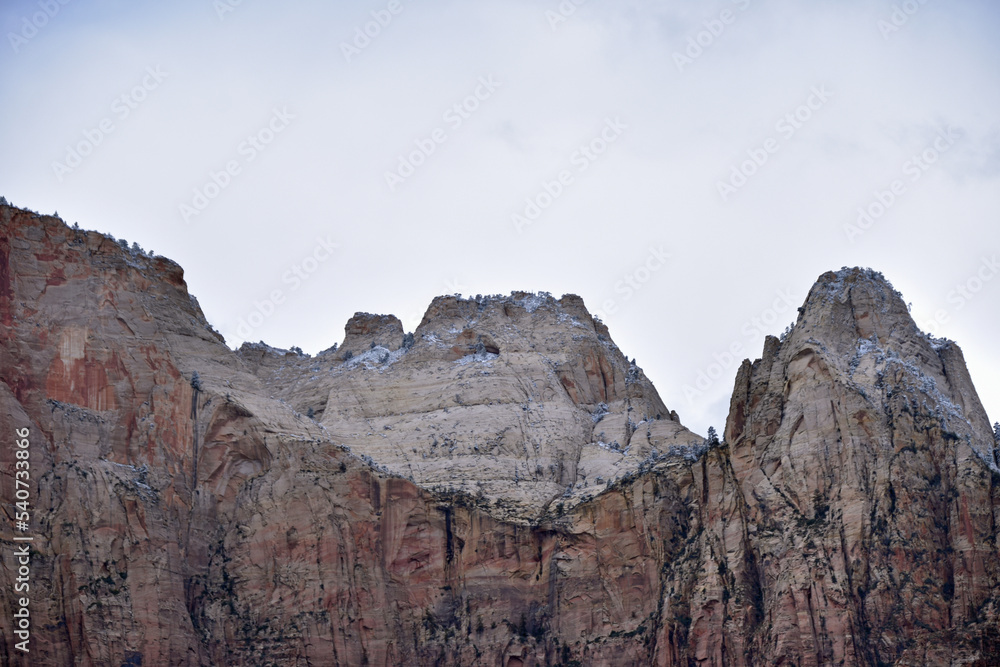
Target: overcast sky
pixel 688 168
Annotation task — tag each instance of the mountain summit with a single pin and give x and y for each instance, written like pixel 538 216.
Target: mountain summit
pixel 523 402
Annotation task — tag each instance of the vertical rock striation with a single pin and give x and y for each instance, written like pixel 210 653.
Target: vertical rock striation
pixel 502 487
pixel 868 475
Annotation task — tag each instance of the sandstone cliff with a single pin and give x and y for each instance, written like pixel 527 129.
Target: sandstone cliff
pixel 523 401
pixel 434 499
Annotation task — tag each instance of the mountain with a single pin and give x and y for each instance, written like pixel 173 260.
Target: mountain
pixel 500 487
pixel 523 403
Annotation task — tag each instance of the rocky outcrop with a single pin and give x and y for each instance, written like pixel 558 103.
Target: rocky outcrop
pixel 868 474
pixel 135 460
pixel 198 506
pixel 523 402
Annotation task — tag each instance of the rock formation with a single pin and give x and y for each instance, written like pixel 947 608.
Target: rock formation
pixel 522 402
pixel 500 487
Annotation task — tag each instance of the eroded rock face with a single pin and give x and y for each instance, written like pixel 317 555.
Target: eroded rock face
pixel 848 518
pixel 869 478
pixel 523 402
pixel 132 467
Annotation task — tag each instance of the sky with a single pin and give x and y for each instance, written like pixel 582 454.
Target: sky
pixel 688 168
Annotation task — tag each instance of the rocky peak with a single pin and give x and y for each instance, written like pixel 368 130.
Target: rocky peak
pixel 858 309
pixel 855 303
pixel 862 439
pixel 858 327
pixel 525 402
pixel 365 331
pixel 445 308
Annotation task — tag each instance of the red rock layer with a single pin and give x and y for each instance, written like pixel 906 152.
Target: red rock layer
pixel 849 518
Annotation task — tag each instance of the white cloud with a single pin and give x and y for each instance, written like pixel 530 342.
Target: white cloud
pixel 324 175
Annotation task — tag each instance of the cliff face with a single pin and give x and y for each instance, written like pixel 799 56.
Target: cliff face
pixel 441 505
pixel 869 478
pixel 523 402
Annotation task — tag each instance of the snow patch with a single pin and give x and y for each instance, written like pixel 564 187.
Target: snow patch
pixel 611 447
pixel 533 302
pixel 478 357
pixel 573 322
pixel 377 357
pixel 938 344
pixel 691 452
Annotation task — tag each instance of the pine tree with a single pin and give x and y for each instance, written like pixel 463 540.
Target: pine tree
pixel 713 437
pixel 996 443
